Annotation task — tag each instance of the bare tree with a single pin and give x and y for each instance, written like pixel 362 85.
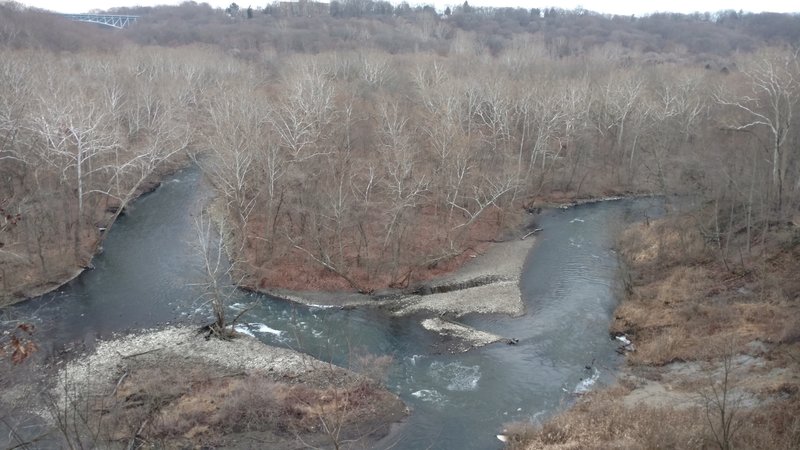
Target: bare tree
pixel 618 101
pixel 540 115
pixel 722 403
pixel 405 184
pixel 302 118
pixel 218 284
pixel 232 150
pixel 374 69
pixel 76 139
pixel 773 77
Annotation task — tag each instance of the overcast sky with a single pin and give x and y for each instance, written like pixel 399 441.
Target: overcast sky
pixel 605 6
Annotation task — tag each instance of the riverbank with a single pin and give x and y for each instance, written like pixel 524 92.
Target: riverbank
pixel 716 349
pixel 435 252
pixel 54 263
pixel 497 266
pixel 487 284
pixel 171 387
pixel 447 392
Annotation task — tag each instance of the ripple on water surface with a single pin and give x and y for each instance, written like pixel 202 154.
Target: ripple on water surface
pixel 459 401
pixel 456 376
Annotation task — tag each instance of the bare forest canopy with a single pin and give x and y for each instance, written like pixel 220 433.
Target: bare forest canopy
pixel 312 27
pixel 370 151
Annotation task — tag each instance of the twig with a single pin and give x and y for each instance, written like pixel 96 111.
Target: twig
pixel 230 375
pixel 132 442
pixel 232 324
pixel 532 232
pixel 20 442
pixel 140 353
pixel 121 379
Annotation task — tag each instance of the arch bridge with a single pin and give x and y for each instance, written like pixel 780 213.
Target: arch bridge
pixel 109 20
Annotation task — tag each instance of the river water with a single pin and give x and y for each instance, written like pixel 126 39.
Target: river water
pixel 146 276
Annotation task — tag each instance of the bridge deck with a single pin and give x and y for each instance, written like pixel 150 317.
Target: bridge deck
pixel 111 20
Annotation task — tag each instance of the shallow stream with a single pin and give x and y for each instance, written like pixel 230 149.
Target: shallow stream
pixel 146 275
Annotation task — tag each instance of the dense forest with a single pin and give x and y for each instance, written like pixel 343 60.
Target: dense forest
pixel 335 140
pixel 369 145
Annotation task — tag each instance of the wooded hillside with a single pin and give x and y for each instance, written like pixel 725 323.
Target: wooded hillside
pixel 369 148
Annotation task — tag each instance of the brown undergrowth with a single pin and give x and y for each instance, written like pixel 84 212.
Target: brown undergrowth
pixel 432 246
pixel 602 421
pixel 716 329
pixel 428 251
pixel 684 299
pixel 54 259
pixel 202 406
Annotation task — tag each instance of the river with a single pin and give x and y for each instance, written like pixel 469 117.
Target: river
pixel 146 275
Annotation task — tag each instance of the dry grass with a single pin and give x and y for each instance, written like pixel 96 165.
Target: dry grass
pixel 181 406
pixel 683 297
pixel 663 243
pixel 373 368
pixel 684 303
pixel 602 421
